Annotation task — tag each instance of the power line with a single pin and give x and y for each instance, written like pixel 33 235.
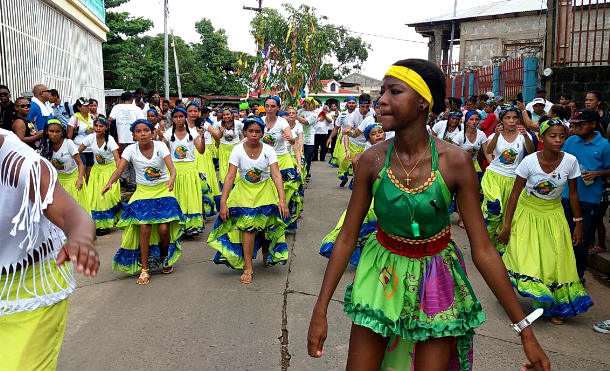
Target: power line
pixel 380 36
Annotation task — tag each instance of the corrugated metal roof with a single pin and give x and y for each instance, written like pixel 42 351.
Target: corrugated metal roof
pixel 492 9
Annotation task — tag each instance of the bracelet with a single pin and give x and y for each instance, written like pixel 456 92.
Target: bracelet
pixel 577 219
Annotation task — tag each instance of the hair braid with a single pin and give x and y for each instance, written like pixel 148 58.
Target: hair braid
pixel 173 138
pixel 106 134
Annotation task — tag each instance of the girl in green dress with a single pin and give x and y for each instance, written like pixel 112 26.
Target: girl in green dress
pixel 410 284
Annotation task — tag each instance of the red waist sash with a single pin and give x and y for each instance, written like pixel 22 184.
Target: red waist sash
pixel 414 248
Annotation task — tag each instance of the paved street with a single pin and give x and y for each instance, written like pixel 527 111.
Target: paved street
pixel 201 317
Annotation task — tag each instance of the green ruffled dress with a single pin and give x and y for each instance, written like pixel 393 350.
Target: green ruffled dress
pixel 409 299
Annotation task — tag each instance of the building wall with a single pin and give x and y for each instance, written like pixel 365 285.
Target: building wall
pixel 577 81
pixel 483 39
pixel 39 44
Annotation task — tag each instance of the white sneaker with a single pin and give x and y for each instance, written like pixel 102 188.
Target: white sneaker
pixel 603 326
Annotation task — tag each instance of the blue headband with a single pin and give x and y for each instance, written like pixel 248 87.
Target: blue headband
pixel 255 120
pixel 140 121
pixel 193 103
pixel 275 98
pixel 178 109
pixel 471 113
pixel 368 128
pixel 507 108
pixel 282 113
pixel 102 120
pixel 364 101
pixel 153 111
pixel 350 99
pixel 455 114
pixel 234 111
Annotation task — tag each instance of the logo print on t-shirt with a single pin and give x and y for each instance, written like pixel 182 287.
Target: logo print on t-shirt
pixel 472 151
pixel 89 130
pixel 180 152
pixel 544 188
pixel 100 159
pixel 152 174
pixel 57 163
pixel 269 139
pixel 229 136
pixel 508 157
pixel 254 175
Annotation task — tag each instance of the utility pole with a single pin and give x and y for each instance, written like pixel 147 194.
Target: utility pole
pixel 165 50
pixel 177 68
pixel 450 61
pixel 259 9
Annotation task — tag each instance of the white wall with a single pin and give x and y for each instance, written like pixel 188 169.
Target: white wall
pixel 39 45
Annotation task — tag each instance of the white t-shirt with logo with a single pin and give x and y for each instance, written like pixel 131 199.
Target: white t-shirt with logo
pixel 309 130
pixel 82 129
pixel 548 186
pixel 273 137
pixel 507 156
pixel 63 158
pixel 182 150
pixel 100 155
pixel 461 139
pixel 148 171
pixel 253 171
pixel 124 115
pixel 354 120
pixel 234 135
pixel 440 127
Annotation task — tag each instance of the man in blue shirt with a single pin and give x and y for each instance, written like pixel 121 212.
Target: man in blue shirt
pixel 40 110
pixel 593 153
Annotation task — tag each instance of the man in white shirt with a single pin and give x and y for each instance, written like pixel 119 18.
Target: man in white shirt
pixel 123 115
pixel 540 93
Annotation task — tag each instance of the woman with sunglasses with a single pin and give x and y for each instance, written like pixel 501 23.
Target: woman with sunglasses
pixel 22 127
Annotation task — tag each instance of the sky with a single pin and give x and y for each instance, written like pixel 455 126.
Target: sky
pixel 383 17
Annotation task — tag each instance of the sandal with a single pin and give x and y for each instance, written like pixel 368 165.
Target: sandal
pixel 246 277
pixel 557 320
pixel 144 278
pixel 167 270
pixel 460 223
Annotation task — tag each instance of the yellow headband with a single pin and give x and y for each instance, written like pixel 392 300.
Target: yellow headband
pixel 414 80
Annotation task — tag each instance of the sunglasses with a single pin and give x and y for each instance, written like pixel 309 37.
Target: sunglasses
pixel 24 105
pixel 3 94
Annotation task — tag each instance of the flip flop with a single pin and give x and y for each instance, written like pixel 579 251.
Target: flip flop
pixel 246 277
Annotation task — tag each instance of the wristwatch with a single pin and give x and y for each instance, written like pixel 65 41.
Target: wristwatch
pixel 518 327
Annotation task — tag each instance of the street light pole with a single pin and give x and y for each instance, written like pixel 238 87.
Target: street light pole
pixel 176 65
pixel 165 51
pixel 450 62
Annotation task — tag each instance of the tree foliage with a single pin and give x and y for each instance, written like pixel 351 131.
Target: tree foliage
pixel 297 50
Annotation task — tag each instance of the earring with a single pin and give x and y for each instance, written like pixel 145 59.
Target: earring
pixel 421 107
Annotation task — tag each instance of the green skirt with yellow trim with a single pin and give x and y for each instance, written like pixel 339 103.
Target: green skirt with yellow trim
pixel 345 166
pixel 540 259
pixel 68 182
pixel 252 208
pixel 106 209
pixel 415 299
pixel 150 205
pixel 496 191
pixel 210 190
pixel 187 190
pixel 224 153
